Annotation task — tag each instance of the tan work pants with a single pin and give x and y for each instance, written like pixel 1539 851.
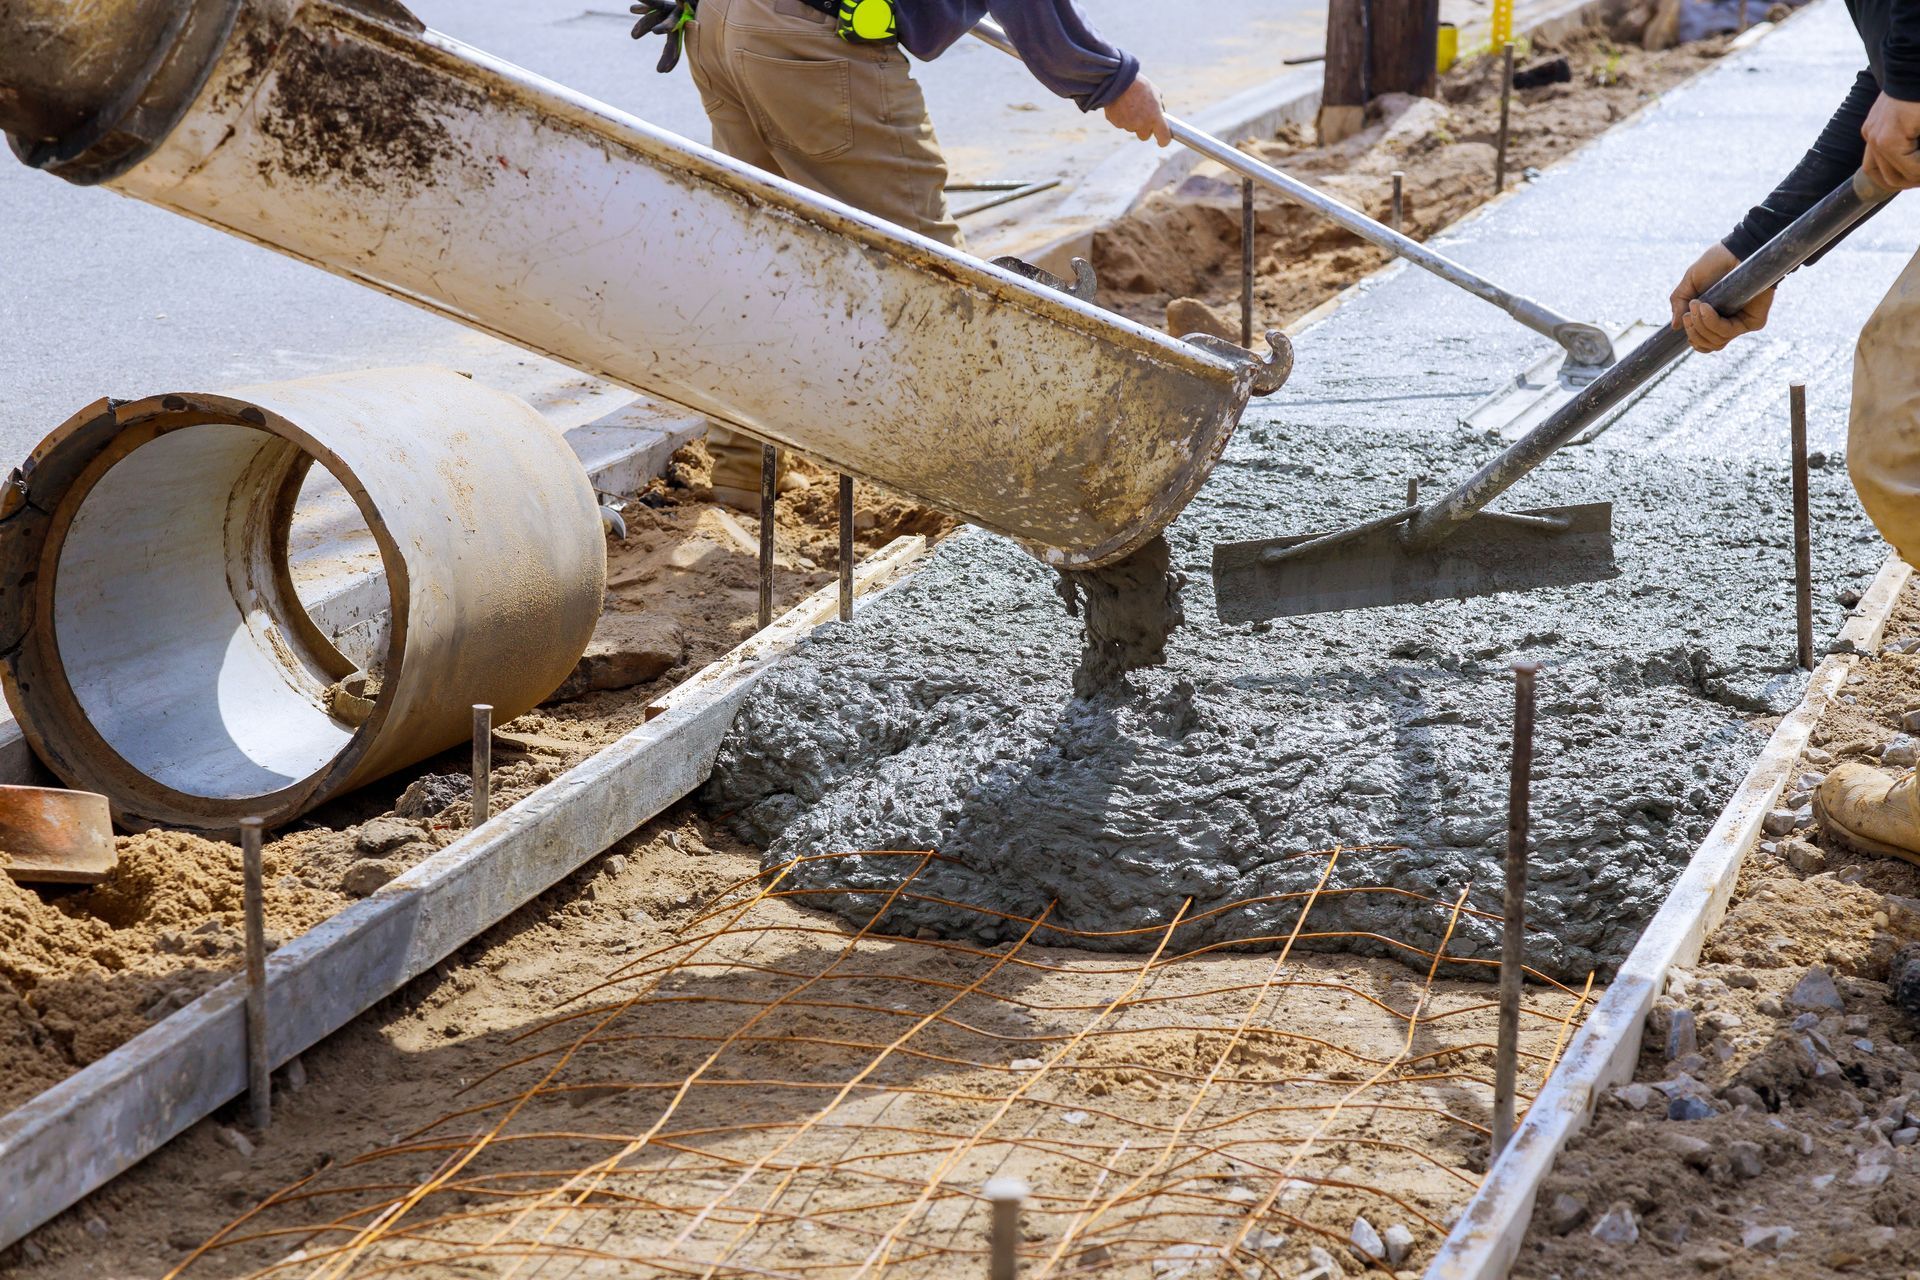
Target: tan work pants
pixel 1883 435
pixel 787 95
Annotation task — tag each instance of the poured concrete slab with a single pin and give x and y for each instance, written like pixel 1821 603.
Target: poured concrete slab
pixel 944 719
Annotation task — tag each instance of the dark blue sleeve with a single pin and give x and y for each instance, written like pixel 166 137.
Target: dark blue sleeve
pixel 1900 53
pixel 1836 153
pixel 1064 53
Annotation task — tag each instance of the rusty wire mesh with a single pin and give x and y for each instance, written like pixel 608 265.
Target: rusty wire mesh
pixel 774 1093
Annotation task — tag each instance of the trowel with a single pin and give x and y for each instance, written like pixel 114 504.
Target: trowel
pixel 1453 548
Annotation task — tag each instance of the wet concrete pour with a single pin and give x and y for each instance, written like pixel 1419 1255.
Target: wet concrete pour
pixel 943 718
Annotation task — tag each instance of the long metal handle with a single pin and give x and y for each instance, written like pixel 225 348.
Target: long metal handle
pixel 1810 233
pixel 1585 344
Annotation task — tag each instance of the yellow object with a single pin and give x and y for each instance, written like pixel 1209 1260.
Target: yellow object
pixel 1449 50
pixel 868 21
pixel 1502 24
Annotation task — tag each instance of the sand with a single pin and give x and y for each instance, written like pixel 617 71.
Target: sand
pixel 81 971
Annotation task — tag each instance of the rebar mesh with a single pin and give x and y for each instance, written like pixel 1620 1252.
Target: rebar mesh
pixel 774 1093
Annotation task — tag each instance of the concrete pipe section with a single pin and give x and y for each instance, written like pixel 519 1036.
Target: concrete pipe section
pixel 344 133
pixel 156 650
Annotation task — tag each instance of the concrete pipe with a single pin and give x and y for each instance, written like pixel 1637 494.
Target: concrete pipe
pixel 155 648
pixel 344 133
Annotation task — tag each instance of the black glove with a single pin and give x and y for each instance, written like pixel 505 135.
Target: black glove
pixel 668 17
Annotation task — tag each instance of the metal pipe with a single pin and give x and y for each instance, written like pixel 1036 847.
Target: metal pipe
pixel 1810 233
pixel 532 213
pixel 1506 105
pixel 482 764
pixel 1007 1196
pixel 1020 192
pixel 1802 528
pixel 259 1065
pixel 769 493
pixel 1246 262
pixel 846 548
pixel 155 645
pixel 1585 344
pixel 1513 953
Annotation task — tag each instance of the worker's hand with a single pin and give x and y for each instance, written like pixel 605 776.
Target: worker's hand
pixel 1138 112
pixel 668 17
pixel 1892 132
pixel 1706 328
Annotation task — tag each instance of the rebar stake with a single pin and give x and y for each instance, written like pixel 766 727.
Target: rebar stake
pixel 769 475
pixel 1802 526
pixel 259 1067
pixel 1008 1195
pixel 1513 935
pixel 1399 201
pixel 1246 262
pixel 1506 102
pixel 846 548
pixel 482 763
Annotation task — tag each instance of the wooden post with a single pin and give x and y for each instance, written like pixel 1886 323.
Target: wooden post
pixel 1375 47
pixel 1343 90
pixel 1405 39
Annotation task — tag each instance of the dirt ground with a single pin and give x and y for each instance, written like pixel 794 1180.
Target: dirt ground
pixel 1155 1115
pixel 1175 260
pixel 84 970
pixel 1803 1161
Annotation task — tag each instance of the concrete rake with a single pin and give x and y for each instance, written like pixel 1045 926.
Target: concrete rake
pixel 1452 548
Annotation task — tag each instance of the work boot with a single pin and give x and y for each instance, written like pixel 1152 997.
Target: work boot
pixel 1869 810
pixel 736 469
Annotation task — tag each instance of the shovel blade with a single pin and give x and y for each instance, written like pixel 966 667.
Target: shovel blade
pixel 1485 556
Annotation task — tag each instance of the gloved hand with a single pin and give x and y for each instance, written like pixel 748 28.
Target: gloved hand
pixel 668 17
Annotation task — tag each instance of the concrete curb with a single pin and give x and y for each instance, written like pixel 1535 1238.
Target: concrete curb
pixel 1111 189
pixel 104 1119
pixel 1486 1240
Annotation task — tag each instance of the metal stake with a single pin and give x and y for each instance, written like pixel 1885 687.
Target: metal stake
pixel 1246 262
pixel 1802 526
pixel 1743 15
pixel 769 471
pixel 1007 1195
pixel 259 1067
pixel 846 548
pixel 1513 939
pixel 1506 103
pixel 482 763
pixel 1399 201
